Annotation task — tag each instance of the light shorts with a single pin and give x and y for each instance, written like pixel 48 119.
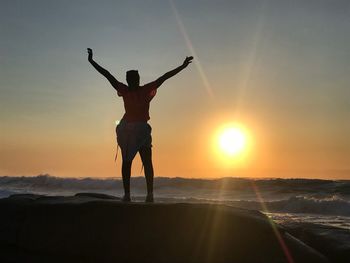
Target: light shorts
pixel 132 136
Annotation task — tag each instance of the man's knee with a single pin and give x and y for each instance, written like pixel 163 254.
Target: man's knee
pixel 126 164
pixel 147 162
pixel 126 161
pixel 146 150
pixel 146 154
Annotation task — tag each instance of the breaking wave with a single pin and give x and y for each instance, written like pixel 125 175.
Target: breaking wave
pixel 312 196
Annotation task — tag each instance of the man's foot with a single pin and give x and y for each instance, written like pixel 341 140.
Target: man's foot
pixel 126 198
pixel 149 198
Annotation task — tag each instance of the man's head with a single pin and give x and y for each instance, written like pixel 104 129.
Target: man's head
pixel 133 78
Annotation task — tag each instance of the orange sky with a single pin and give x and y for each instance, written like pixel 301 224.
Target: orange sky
pixel 178 151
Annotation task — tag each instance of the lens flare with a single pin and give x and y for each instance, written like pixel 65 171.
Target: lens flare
pixel 191 49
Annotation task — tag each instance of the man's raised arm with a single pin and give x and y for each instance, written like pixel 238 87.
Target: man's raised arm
pixel 173 72
pixel 114 82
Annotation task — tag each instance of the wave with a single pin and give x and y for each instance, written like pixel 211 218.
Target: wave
pixel 307 205
pixel 6 193
pixel 227 183
pixel 295 205
pixel 267 186
pixel 313 196
pixel 48 182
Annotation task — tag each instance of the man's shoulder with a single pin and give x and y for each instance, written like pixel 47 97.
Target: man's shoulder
pixel 150 85
pixel 122 85
pixel 122 89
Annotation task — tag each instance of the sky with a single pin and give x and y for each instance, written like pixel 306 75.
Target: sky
pixel 278 68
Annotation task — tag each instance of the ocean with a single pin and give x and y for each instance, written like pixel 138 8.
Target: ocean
pixel 325 202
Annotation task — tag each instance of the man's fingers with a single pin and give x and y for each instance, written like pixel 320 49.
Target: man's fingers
pixel 188 60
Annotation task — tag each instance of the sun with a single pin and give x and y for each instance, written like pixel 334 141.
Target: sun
pixel 232 145
pixel 232 141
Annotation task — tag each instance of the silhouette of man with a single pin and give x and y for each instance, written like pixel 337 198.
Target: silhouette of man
pixel 133 131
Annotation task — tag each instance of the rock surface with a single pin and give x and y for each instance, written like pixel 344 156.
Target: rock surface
pixel 331 241
pixel 100 228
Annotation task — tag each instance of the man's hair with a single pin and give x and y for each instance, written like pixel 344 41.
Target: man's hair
pixel 133 77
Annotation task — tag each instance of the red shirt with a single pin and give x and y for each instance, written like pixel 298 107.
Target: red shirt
pixel 136 102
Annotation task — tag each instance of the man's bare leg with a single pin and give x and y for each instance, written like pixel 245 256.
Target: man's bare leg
pixel 146 157
pixel 126 173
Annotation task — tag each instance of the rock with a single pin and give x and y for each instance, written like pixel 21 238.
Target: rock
pixel 91 229
pixel 331 241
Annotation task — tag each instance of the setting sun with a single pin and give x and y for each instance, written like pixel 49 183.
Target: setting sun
pixel 232 145
pixel 232 141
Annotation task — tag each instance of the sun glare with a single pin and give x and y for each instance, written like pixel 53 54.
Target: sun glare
pixel 232 144
pixel 232 141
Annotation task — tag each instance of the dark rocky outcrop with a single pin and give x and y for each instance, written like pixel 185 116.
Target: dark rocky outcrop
pixel 99 228
pixel 333 242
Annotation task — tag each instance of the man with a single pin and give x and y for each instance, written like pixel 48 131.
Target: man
pixel 133 131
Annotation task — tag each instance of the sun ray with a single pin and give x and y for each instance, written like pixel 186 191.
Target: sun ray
pixel 252 57
pixel 275 230
pixel 191 49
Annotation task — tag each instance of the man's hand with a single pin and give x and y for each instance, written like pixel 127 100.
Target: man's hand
pixel 187 61
pixel 89 50
pixel 173 72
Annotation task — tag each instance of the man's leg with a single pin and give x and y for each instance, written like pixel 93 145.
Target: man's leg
pixel 126 173
pixel 146 157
